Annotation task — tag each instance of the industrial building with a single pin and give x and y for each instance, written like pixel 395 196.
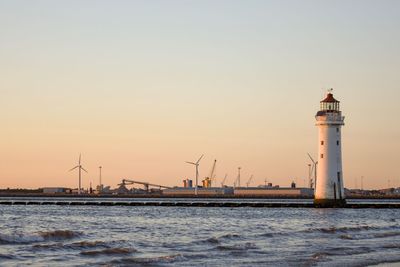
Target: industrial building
pixel 190 191
pixel 273 192
pixel 240 192
pixel 55 190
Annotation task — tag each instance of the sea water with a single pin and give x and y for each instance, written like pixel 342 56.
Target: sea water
pixel 198 236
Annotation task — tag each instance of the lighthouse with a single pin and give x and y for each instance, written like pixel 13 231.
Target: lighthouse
pixel 329 189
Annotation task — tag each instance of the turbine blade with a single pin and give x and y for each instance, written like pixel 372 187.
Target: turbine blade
pixel 190 162
pixel 311 158
pixel 199 159
pixel 79 159
pixel 73 168
pixel 83 169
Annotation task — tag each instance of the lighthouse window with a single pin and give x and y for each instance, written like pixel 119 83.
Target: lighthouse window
pixel 322 156
pixel 337 142
pixel 322 143
pixel 337 130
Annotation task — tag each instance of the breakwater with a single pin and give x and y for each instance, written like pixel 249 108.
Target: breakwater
pixel 228 204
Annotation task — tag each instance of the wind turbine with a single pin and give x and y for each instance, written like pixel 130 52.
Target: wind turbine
pixel 197 172
pixel 79 166
pixel 314 167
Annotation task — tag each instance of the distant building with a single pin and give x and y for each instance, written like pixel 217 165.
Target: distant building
pixel 187 183
pixel 273 192
pixel 389 191
pixel 241 191
pixel 76 191
pixel 187 191
pixel 56 190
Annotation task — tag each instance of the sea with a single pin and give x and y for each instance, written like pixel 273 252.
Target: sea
pixel 50 235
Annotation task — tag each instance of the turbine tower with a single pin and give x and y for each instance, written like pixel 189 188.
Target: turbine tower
pixel 79 166
pixel 329 190
pixel 197 172
pixel 100 184
pixel 313 179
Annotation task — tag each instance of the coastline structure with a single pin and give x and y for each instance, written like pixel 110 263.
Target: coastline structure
pixel 329 189
pixel 171 202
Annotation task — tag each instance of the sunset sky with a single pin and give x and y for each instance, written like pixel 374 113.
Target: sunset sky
pixel 140 87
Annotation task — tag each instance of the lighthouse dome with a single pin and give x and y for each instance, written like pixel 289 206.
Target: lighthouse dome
pixel 329 104
pixel 330 99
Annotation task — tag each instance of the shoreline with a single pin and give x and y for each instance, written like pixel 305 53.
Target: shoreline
pixel 200 203
pixel 95 196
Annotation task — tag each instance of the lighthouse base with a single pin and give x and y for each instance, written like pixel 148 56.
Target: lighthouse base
pixel 329 203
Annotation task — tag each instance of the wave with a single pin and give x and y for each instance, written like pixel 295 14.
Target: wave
pixel 238 247
pixel 330 230
pixel 88 244
pixel 370 235
pixel 390 246
pixel 347 237
pixel 347 229
pixel 211 240
pixel 7 257
pixel 332 253
pixel 51 246
pixel 76 245
pixel 217 240
pixel 342 251
pixel 24 238
pixel 229 236
pixel 386 234
pixel 269 234
pixel 109 251
pixel 319 255
pixel 59 234
pixel 19 238
pixel 150 260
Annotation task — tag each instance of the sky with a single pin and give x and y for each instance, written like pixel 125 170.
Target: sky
pixel 140 87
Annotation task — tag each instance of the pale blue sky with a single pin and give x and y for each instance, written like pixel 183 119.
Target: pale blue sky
pixel 141 86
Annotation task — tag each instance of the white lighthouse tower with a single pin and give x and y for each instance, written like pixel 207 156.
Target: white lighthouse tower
pixel 329 190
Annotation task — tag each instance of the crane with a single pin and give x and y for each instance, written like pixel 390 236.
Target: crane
pixel 223 181
pixel 237 181
pixel 145 184
pixel 213 170
pixel 211 177
pixel 250 179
